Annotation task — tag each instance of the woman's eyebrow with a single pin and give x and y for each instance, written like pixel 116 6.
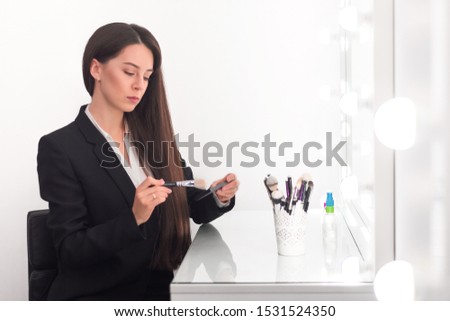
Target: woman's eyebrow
pixel 134 65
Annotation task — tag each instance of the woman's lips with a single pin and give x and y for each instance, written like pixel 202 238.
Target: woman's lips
pixel 133 99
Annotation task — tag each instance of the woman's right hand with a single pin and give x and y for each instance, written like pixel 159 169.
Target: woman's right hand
pixel 149 194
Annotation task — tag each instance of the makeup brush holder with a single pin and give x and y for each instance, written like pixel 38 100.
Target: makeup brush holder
pixel 290 232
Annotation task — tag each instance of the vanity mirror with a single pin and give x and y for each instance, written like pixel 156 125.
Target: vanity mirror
pixel 305 75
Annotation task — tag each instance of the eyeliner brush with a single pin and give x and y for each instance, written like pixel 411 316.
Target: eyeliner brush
pixel 288 193
pixel 212 190
pixel 307 196
pixel 294 198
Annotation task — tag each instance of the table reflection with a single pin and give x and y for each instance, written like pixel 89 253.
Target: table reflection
pixel 242 248
pixel 211 251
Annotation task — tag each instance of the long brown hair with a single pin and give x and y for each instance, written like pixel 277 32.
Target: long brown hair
pixel 151 128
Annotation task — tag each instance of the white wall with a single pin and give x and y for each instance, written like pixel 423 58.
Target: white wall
pixel 235 71
pixel 422 71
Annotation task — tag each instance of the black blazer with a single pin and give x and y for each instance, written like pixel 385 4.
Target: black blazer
pixel 102 253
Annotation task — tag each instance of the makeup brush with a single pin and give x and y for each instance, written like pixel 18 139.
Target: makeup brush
pixel 278 198
pixel 212 190
pixel 305 178
pixel 266 185
pixel 307 196
pixel 272 183
pixel 197 183
pixel 295 196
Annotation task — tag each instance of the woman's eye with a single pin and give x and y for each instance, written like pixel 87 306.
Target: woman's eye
pixel 129 73
pixel 146 78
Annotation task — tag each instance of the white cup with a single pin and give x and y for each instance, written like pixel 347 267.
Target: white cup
pixel 290 232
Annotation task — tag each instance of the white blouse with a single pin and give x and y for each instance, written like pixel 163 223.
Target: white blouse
pixel 134 170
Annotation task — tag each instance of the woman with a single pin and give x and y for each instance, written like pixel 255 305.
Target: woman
pixel 118 232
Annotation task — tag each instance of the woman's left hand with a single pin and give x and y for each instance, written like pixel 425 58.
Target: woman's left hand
pixel 228 191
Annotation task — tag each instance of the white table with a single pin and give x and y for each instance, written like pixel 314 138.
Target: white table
pixel 235 258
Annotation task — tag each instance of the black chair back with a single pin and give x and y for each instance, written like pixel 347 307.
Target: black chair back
pixel 42 264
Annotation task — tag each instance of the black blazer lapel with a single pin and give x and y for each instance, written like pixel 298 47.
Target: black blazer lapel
pixel 107 158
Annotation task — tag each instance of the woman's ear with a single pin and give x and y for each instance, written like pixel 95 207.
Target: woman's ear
pixel 96 69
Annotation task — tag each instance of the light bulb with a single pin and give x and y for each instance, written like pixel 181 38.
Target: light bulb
pixel 394 282
pixel 348 18
pixel 395 123
pixel 349 103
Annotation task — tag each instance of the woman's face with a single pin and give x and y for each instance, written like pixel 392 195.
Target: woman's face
pixel 121 81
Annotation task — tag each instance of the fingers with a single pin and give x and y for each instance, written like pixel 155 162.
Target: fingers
pixel 228 178
pixel 217 182
pixel 228 191
pixel 153 193
pixel 232 186
pixel 149 181
pixel 155 199
pixel 149 194
pixel 152 186
pixel 155 189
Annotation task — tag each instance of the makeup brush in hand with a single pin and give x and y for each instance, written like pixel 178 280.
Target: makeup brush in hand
pixel 212 190
pixel 197 183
